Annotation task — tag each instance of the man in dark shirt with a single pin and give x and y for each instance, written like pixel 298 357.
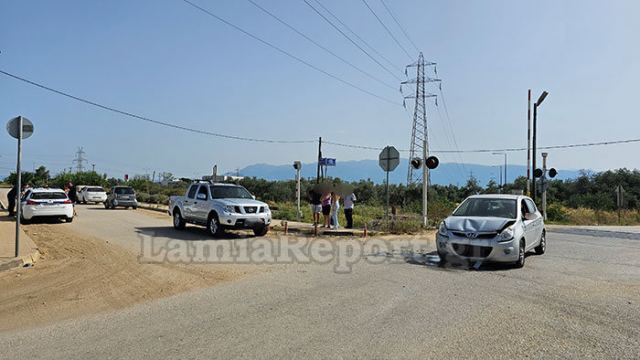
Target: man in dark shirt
pixel 12 199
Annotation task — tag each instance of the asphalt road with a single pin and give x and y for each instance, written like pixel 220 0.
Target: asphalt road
pixel 579 300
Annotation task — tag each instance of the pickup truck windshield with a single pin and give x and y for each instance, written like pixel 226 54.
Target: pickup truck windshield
pixel 484 207
pixel 229 192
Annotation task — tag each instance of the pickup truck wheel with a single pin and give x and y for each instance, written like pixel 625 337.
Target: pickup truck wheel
pixel 69 219
pixel 178 221
pixel 542 247
pixel 213 225
pixel 261 230
pixel 106 205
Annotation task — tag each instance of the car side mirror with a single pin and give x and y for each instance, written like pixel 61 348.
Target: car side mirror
pixel 253 197
pixel 201 197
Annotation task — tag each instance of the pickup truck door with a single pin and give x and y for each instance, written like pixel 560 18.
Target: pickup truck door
pixel 189 203
pixel 201 204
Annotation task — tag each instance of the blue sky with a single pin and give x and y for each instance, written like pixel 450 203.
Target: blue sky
pixel 165 60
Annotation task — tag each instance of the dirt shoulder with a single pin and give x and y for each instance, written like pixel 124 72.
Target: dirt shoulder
pixel 78 275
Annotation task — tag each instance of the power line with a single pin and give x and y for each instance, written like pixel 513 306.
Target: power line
pixel 320 45
pixel 387 29
pixel 232 137
pixel 400 26
pixel 286 53
pixel 350 39
pixel 147 119
pixel 514 149
pixel 335 17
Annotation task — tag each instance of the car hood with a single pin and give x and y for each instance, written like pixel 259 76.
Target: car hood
pixel 477 224
pixel 241 202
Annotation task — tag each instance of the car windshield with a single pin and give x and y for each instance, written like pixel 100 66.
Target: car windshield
pixel 487 207
pixel 229 192
pixel 48 196
pixel 95 189
pixel 123 191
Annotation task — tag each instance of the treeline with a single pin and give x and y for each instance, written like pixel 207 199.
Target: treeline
pixel 590 190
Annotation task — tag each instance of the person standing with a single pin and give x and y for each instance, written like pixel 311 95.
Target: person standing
pixel 348 209
pixel 315 198
pixel 326 209
pixel 335 210
pixel 11 197
pixel 73 194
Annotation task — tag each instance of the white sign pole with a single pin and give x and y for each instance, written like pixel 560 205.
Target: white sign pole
pixel 425 183
pixel 18 187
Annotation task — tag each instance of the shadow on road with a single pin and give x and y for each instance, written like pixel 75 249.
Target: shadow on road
pixel 190 233
pixel 432 261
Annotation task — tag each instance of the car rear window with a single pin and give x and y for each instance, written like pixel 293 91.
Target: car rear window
pixel 95 189
pixel 48 196
pixel 123 191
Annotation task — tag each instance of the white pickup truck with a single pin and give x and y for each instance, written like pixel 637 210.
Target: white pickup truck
pixel 220 206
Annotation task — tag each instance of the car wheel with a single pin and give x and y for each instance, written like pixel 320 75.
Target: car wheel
pixel 106 205
pixel 213 225
pixel 178 221
pixel 521 255
pixel 23 220
pixel 261 231
pixel 542 247
pixel 135 208
pixel 69 219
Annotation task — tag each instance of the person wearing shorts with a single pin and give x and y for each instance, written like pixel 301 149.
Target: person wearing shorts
pixel 315 198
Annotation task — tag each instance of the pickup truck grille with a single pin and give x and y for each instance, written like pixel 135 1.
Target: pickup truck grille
pixel 250 209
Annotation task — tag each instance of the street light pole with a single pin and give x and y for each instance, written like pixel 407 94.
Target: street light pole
pixel 535 139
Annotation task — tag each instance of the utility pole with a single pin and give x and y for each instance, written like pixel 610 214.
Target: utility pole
pixel 544 185
pixel 297 165
pixel 319 157
pixel 79 160
pixel 529 143
pixel 425 183
pixel 619 201
pixel 535 128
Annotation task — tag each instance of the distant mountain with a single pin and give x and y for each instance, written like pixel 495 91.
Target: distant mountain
pixel 446 173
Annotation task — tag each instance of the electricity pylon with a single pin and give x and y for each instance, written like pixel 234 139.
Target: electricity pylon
pixel 419 136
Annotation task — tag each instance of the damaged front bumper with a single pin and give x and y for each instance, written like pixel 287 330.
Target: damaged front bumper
pixel 485 249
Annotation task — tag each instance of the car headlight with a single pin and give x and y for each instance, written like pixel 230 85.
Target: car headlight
pixel 230 209
pixel 442 230
pixel 506 234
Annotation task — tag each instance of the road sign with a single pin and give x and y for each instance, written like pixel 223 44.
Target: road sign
pixel 327 162
pixel 13 127
pixel 389 158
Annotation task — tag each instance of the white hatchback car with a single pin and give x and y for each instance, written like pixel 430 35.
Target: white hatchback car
pixel 94 194
pixel 40 202
pixel 500 228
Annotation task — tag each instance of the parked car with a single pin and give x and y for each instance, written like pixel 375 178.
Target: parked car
pixel 121 196
pixel 500 228
pixel 220 206
pixel 94 194
pixel 41 203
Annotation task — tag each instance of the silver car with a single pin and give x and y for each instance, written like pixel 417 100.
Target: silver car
pixel 500 228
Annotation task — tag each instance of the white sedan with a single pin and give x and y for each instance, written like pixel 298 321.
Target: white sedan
pixel 94 194
pixel 39 202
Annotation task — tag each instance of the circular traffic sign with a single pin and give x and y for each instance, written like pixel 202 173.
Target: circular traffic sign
pixel 389 158
pixel 13 127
